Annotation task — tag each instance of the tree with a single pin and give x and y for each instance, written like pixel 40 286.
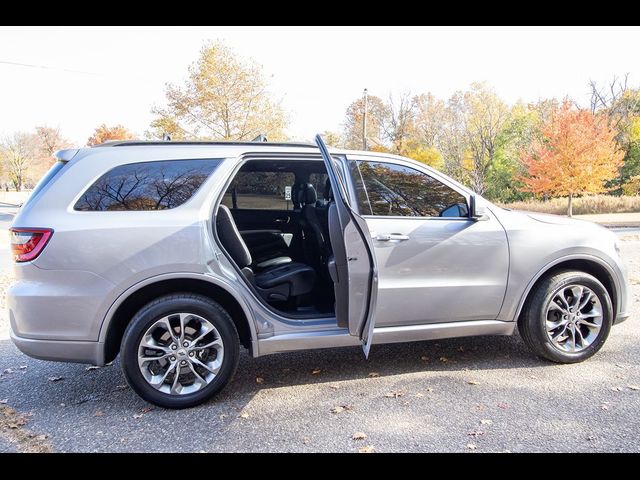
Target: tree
pixel 103 133
pixel 224 98
pixel 18 152
pixel 397 124
pixel 577 155
pixel 486 116
pixel 376 113
pixel 333 139
pixel 429 119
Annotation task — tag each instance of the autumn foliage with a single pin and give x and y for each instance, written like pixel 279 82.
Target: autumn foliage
pixel 103 133
pixel 576 154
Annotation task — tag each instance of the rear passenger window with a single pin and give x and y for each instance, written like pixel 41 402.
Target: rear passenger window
pixel 260 191
pixel 147 186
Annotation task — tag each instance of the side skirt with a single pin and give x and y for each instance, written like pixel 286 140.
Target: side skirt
pixel 339 337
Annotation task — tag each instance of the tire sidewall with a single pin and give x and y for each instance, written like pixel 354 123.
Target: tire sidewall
pixel 171 305
pixel 540 312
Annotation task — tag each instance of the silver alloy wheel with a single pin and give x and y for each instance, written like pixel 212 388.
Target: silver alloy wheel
pixel 180 353
pixel 574 318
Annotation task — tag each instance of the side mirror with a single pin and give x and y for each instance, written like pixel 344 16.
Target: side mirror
pixel 476 212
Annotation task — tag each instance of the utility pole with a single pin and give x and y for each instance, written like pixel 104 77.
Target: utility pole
pixel 364 122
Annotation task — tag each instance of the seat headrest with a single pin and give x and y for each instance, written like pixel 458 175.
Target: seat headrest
pixel 307 194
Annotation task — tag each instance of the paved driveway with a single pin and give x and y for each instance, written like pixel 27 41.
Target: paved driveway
pixel 476 395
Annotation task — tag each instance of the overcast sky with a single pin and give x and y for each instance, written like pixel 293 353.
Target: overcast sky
pixel 82 77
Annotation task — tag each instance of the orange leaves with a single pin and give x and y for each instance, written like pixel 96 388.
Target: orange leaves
pixel 103 133
pixel 576 155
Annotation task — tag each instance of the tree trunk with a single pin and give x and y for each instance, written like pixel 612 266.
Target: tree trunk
pixel 570 206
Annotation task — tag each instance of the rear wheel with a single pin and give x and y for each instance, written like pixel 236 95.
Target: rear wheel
pixel 568 317
pixel 180 350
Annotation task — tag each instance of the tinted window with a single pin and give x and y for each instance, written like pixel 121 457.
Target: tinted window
pixel 387 189
pixel 147 186
pixel 260 190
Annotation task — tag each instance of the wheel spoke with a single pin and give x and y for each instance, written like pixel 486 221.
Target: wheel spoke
pixel 158 384
pixel 585 299
pixel 148 342
pixel 201 380
pixel 214 369
pixel 152 359
pixel 576 293
pixel 176 380
pixel 217 344
pixel 167 325
pixel 183 318
pixel 207 331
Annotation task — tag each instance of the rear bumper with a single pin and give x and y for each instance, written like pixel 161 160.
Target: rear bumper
pixel 621 317
pixel 61 350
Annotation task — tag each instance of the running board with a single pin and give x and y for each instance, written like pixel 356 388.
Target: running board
pixel 339 337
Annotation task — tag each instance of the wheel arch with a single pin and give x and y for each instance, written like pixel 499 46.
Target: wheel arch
pixel 129 302
pixel 592 265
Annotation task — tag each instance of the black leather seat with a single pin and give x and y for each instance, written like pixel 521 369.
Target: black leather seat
pixel 314 235
pixel 276 283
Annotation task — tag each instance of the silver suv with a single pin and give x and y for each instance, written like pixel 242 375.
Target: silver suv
pixel 175 254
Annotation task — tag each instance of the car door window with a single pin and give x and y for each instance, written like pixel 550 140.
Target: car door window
pixel 260 191
pixel 388 189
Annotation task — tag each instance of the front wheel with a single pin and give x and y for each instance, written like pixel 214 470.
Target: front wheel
pixel 180 350
pixel 568 317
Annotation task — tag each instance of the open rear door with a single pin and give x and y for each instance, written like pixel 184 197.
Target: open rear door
pixel 353 265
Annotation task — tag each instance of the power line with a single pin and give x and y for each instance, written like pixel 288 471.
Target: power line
pixel 46 67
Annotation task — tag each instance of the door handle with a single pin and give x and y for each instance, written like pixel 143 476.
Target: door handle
pixel 391 237
pixel 282 220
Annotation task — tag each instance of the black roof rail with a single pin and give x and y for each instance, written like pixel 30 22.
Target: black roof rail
pixel 141 143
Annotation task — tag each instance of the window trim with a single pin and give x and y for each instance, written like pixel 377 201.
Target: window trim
pixel 406 164
pixel 94 179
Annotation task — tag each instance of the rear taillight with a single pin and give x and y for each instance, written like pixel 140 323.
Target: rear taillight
pixel 27 243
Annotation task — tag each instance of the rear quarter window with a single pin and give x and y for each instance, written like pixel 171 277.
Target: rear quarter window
pixel 160 185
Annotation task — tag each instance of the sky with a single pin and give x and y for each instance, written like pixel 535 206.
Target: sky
pixel 85 76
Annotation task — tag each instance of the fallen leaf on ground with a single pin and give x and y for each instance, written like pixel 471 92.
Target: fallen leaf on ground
pixel 244 415
pixel 503 406
pixel 99 413
pixel 374 374
pixel 619 376
pixel 122 387
pixel 55 379
pixel 92 367
pixel 147 409
pixel 137 416
pixel 315 371
pixel 22 367
pixel 359 436
pixel 335 387
pixel 471 446
pixel 616 389
pixel 367 449
pixel 341 408
pixel 63 404
pixel 604 406
pixel 633 387
pixel 259 380
pixel 424 358
pixel 222 416
pixel 4 401
pixel 590 438
pixel 472 382
pixel 486 421
pixel 475 433
pixel 306 440
pixel 394 394
pixel 419 395
pixel 461 349
pixel 7 371
pixel 429 389
pixel 444 359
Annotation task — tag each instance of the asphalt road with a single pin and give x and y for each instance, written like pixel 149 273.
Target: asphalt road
pixel 483 394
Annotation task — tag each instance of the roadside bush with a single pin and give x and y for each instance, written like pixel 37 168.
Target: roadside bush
pixel 581 206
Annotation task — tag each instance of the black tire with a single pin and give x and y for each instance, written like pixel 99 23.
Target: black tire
pixel 531 323
pixel 175 303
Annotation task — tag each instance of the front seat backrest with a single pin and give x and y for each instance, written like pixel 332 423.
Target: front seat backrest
pixel 230 237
